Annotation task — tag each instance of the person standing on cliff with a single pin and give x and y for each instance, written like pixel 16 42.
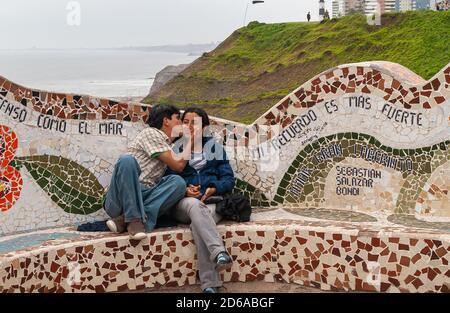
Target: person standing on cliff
pixel 308 16
pixel 138 193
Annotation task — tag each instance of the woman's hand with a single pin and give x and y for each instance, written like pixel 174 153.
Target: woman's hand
pixel 209 192
pixel 193 191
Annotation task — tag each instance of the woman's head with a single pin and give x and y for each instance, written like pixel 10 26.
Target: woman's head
pixel 196 119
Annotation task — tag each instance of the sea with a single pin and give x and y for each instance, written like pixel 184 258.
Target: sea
pixel 111 73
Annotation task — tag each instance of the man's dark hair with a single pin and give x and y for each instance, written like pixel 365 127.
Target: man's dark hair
pixel 199 112
pixel 159 112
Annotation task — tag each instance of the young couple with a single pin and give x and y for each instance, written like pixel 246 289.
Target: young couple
pixel 151 180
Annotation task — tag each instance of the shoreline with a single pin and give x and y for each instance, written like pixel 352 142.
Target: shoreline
pixel 127 99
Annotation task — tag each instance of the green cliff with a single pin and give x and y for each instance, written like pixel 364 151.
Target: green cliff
pixel 259 64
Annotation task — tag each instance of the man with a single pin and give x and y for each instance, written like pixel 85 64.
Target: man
pixel 138 193
pixel 308 16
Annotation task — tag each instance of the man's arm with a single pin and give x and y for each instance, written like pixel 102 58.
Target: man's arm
pixel 176 162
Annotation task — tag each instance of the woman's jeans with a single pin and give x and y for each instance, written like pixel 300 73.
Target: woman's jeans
pixel 207 240
pixel 127 196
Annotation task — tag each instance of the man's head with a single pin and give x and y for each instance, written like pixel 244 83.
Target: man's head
pixel 165 118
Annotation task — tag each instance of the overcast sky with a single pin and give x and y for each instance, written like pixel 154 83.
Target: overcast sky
pixel 117 23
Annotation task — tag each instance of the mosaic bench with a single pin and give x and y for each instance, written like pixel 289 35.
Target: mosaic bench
pixel 352 168
pixel 326 255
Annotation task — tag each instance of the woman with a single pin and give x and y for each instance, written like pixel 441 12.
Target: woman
pixel 207 174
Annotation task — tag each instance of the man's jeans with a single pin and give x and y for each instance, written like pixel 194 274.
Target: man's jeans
pixel 126 195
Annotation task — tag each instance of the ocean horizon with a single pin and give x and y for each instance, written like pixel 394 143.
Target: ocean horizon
pixel 110 73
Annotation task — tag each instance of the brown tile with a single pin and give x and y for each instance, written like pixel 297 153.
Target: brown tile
pixel 405 261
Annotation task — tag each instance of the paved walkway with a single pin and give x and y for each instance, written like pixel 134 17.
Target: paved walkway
pixel 238 287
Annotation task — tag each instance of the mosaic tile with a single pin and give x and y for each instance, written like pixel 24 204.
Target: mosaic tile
pixel 74 188
pixel 333 214
pixel 411 220
pixel 258 199
pixel 10 178
pixel 30 240
pixel 318 159
pixel 329 257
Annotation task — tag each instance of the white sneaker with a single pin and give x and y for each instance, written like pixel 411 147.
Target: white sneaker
pixel 117 224
pixel 136 229
pixel 112 226
pixel 138 236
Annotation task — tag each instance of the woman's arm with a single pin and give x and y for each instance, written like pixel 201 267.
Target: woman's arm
pixel 225 180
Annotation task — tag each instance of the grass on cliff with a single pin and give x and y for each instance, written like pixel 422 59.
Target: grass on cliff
pixel 259 64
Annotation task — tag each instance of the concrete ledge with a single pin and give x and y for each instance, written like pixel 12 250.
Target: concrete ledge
pixel 325 255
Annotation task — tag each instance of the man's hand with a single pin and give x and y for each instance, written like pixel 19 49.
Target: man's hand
pixel 173 161
pixel 208 193
pixel 193 191
pixel 177 162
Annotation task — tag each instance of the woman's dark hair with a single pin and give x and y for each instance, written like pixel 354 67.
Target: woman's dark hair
pixel 159 112
pixel 199 112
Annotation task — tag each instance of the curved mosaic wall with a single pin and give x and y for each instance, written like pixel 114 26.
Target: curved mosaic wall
pixel 362 141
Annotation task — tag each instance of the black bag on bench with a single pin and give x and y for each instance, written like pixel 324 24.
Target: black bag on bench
pixel 234 207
